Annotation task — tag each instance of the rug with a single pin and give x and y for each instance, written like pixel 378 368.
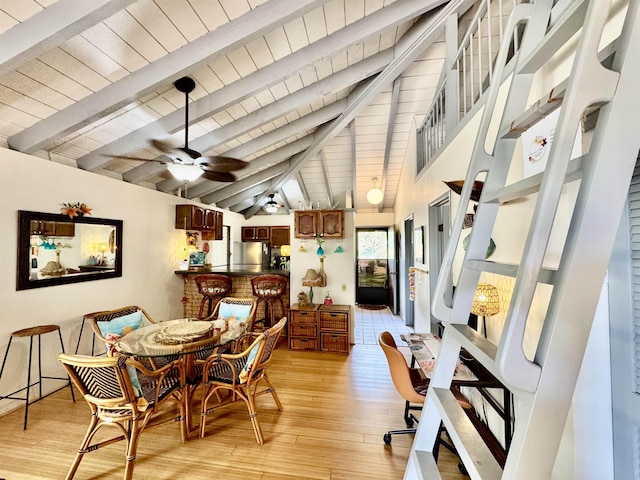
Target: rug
pixel 372 307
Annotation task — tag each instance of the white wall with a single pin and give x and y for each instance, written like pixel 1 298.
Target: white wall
pixel 151 246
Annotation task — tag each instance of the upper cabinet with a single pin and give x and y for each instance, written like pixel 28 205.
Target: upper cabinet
pixel 323 223
pixel 275 235
pixel 279 236
pixel 255 233
pixel 192 217
pixel 52 229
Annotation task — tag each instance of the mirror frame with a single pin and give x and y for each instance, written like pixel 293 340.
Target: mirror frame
pixel 24 250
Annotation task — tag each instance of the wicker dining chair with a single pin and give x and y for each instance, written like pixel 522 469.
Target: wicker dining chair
pixel 241 374
pixel 121 392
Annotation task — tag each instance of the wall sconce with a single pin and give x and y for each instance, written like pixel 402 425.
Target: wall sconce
pixel 285 251
pixel 375 195
pixel 486 303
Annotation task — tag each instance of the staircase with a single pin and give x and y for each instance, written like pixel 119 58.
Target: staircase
pixel 542 386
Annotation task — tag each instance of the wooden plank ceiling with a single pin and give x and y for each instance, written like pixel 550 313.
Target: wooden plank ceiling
pixel 318 96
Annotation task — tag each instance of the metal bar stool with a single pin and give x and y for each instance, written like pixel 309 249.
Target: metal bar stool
pixel 213 287
pixel 269 289
pixel 33 332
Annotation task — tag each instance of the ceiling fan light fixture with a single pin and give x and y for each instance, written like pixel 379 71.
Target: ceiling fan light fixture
pixel 375 195
pixel 271 208
pixel 185 173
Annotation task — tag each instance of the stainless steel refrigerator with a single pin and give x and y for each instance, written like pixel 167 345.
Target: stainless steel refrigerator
pixel 254 254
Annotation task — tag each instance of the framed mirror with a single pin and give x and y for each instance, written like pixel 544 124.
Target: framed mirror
pixel 55 249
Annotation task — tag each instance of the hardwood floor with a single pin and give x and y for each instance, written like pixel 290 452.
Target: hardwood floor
pixel 336 410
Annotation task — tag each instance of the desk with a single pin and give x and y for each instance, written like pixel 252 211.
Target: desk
pixel 469 373
pixel 175 339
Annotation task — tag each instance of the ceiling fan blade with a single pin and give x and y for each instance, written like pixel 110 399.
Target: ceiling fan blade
pixel 221 164
pixel 165 146
pixel 219 176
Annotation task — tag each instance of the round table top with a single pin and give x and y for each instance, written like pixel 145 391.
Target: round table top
pixel 172 337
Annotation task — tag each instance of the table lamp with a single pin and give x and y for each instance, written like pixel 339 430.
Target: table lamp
pixel 486 302
pixel 314 279
pixel 310 280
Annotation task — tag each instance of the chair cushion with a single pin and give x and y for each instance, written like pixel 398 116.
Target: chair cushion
pixel 113 330
pixel 121 325
pixel 239 311
pixel 251 359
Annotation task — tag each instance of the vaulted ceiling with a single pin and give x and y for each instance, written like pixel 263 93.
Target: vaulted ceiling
pixel 318 96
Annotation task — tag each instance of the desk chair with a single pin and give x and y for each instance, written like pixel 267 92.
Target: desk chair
pixel 413 388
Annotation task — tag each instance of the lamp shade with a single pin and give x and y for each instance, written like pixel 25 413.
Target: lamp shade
pixel 185 173
pixel 486 301
pixel 310 278
pixel 285 250
pixel 271 208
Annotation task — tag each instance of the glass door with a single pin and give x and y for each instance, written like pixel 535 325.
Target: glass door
pixel 372 269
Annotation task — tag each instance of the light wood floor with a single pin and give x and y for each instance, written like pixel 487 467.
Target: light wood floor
pixel 336 410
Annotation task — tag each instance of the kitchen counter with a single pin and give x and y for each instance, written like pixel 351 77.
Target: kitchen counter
pixel 241 286
pixel 241 270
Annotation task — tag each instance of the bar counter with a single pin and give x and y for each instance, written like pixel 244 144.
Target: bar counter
pixel 241 286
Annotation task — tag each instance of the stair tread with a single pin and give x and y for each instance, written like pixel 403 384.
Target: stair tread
pixel 473 451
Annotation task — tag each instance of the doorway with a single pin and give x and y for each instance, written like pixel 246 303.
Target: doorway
pixel 439 234
pixel 372 266
pixel 408 262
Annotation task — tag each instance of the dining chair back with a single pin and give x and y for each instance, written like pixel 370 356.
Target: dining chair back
pixel 121 392
pixel 110 325
pixel 242 374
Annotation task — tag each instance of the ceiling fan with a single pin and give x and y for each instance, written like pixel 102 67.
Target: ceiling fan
pixel 187 164
pixel 272 206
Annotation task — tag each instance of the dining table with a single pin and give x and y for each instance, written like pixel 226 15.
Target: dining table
pixel 180 340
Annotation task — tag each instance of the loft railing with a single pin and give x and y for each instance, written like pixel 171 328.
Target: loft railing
pixel 472 72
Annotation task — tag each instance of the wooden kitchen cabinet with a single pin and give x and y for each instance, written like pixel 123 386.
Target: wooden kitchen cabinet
pixel 192 217
pixel 255 233
pixel 323 223
pixel 331 224
pixel 306 223
pixel 279 236
pixel 213 231
pixel 52 229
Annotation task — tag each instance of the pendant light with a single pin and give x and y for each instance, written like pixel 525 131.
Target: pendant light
pixel 375 195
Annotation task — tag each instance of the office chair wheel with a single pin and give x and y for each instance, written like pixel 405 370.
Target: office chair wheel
pixel 409 422
pixel 387 438
pixel 462 469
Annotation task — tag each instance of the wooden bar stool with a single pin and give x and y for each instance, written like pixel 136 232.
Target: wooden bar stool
pixel 34 332
pixel 269 289
pixel 212 287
